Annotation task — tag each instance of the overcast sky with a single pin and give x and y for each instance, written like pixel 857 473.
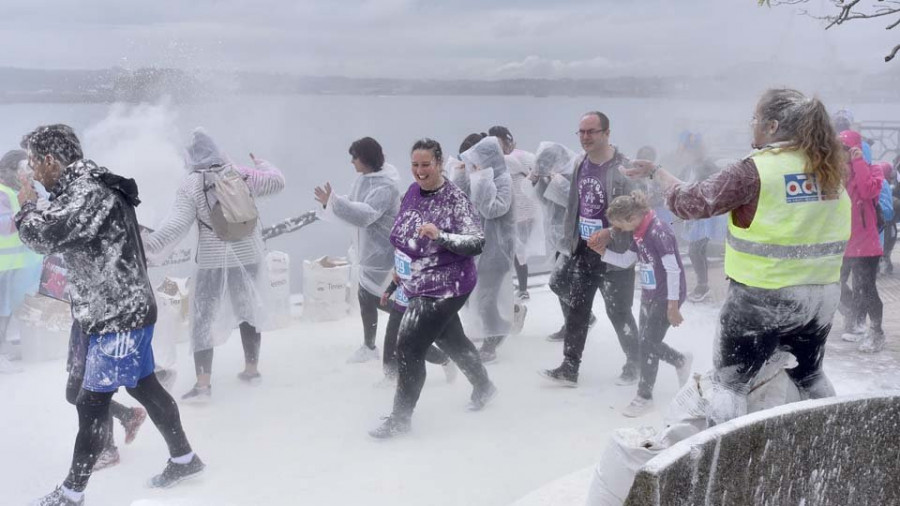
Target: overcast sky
pixel 480 39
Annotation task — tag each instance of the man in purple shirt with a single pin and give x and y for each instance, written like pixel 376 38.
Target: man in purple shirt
pixel 598 179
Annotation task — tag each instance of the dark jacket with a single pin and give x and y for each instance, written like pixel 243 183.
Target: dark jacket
pixel 91 223
pixel 617 184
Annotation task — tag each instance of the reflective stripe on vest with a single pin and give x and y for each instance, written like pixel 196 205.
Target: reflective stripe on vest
pixel 796 237
pixel 12 252
pixel 800 251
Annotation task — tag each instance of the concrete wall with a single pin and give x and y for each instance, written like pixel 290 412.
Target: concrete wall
pixel 832 452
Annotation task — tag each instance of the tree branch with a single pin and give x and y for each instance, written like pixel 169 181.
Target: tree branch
pixel 893 54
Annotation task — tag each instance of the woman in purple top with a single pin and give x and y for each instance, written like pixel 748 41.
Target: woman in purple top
pixel 437 234
pixel 663 290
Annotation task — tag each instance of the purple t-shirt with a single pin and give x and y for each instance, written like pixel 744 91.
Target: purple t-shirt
pixel 592 197
pixel 425 268
pixel 653 240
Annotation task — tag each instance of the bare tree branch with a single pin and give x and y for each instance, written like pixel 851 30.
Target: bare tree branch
pixel 893 54
pixel 851 10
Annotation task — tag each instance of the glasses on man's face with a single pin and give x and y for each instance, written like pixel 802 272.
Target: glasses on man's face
pixel 754 121
pixel 589 133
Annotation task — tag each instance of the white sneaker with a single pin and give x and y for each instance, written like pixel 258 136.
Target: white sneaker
pixel 450 371
pixel 364 354
pixel 852 337
pixel 684 372
pixel 638 407
pixel 519 312
pixel 8 367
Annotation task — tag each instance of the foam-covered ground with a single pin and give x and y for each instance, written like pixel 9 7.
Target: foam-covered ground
pixel 300 436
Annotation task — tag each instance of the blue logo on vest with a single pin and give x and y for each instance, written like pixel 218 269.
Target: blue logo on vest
pixel 800 188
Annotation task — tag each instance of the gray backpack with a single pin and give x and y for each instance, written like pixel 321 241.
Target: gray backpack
pixel 232 209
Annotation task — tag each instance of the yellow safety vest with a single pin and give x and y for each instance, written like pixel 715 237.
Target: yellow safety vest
pixel 797 237
pixel 12 251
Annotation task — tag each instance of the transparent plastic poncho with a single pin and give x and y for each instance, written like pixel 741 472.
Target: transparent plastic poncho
pixel 486 180
pixel 229 283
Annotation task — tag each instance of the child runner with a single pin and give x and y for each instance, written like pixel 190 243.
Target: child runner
pixel 663 290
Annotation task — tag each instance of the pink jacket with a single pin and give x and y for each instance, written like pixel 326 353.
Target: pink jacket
pixel 864 186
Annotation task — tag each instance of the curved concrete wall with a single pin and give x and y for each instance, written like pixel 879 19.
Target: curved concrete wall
pixel 831 452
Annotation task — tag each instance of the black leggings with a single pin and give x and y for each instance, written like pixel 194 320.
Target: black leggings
pixel 654 322
pixel 430 321
pixel 589 274
pixel 862 299
pixel 755 322
pixel 251 339
pixel 368 309
pixel 93 414
pixel 521 274
pixel 432 356
pixel 697 254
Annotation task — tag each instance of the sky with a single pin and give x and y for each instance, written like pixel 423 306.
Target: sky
pixel 472 39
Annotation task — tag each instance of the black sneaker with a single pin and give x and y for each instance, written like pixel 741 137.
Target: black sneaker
pixel 175 473
pixel 393 425
pixel 565 375
pixel 482 396
pixel 57 498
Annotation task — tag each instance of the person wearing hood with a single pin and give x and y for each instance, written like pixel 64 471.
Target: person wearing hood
pixel 552 179
pixel 18 265
pixel 789 221
pixel 90 221
pixel 863 253
pixel 598 179
pixel 520 165
pixel 485 179
pixel 229 269
pixel 371 208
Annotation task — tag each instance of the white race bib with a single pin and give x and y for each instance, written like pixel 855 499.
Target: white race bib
pixel 400 297
pixel 648 277
pixel 402 265
pixel 588 226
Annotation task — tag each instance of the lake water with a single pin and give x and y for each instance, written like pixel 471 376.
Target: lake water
pixel 308 136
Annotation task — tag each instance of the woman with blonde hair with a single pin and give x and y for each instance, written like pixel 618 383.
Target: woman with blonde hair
pixel 788 226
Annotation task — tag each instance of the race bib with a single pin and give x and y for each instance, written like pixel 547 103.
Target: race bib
pixel 402 265
pixel 648 277
pixel 400 297
pixel 588 226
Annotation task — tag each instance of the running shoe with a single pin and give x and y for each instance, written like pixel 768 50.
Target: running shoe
pixel 873 343
pixel 363 354
pixel 391 426
pixel 198 395
pixel 565 375
pixel 176 473
pixel 519 312
pixel 109 457
pixel 482 396
pixel 699 294
pixel 251 378
pixel 58 498
pixel 639 407
pixel 138 415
